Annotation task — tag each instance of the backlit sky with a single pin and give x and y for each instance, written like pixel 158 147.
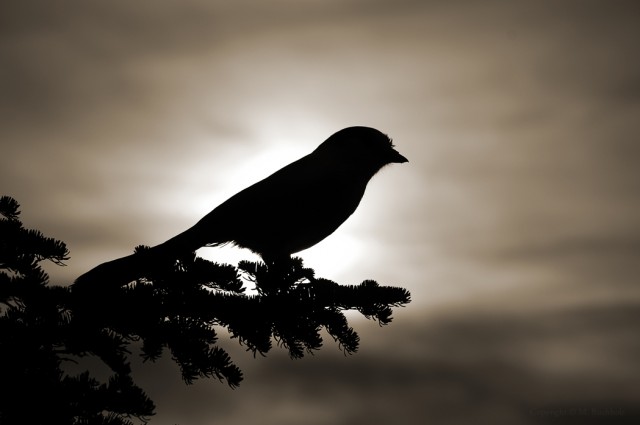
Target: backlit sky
pixel 515 223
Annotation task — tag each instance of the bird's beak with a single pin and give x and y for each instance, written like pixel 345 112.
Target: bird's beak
pixel 396 157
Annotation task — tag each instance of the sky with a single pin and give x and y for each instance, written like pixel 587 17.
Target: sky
pixel 514 225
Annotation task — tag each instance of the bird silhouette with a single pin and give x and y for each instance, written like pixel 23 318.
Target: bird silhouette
pixel 291 210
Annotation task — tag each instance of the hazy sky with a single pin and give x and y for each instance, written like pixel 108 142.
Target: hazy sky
pixel 515 223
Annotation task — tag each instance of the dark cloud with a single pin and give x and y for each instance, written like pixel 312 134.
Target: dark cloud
pixel 496 366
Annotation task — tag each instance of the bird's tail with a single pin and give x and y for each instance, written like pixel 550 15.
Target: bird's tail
pixel 127 269
pixel 113 273
pixel 124 270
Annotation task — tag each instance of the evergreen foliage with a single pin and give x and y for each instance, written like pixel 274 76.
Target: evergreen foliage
pixel 174 309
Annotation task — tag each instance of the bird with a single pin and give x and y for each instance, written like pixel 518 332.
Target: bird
pixel 287 212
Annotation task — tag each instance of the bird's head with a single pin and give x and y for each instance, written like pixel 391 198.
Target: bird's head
pixel 363 148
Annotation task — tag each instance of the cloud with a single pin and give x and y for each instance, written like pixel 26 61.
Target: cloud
pixel 520 122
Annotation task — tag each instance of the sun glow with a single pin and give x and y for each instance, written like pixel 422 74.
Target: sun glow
pixel 330 258
pixel 333 256
pixel 251 164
